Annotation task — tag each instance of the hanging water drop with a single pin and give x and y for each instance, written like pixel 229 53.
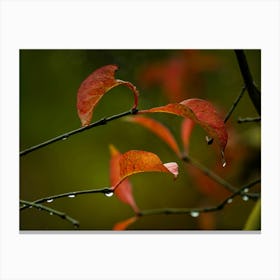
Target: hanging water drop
pixel 64 138
pixel 50 200
pixel 245 197
pixel 51 213
pixel 224 163
pixel 194 214
pixel 30 206
pixel 109 194
pixel 246 190
pixel 71 196
pixel 229 200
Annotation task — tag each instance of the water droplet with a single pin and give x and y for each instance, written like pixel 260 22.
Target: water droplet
pixel 245 197
pixel 194 214
pixel 224 163
pixel 51 213
pixel 71 196
pixel 50 200
pixel 229 200
pixel 64 138
pixel 209 140
pixel 30 206
pixel 246 190
pixel 109 194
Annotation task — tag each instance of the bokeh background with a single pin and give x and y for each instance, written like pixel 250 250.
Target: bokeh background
pixel 49 81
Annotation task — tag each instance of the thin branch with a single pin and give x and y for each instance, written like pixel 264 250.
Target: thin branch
pixel 245 120
pixel 236 101
pixel 253 91
pixel 51 212
pixel 79 130
pixel 215 177
pixel 49 199
pixel 196 211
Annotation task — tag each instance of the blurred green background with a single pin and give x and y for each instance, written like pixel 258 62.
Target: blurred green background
pixel 49 81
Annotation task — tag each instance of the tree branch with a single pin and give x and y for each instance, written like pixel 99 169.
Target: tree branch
pixel 196 211
pixel 215 177
pixel 79 130
pixel 245 120
pixel 49 199
pixel 51 211
pixel 253 92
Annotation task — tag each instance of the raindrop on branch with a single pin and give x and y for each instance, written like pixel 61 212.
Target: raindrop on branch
pixel 71 196
pixel 245 197
pixel 51 213
pixel 194 214
pixel 109 193
pixel 229 200
pixel 50 200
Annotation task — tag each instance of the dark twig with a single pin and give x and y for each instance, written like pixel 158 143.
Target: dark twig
pixel 215 177
pixel 81 129
pixel 236 101
pixel 245 120
pixel 50 199
pixel 51 211
pixel 253 91
pixel 197 211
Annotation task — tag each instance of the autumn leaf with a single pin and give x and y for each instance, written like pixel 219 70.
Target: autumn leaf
pixel 157 128
pixel 186 130
pixel 124 224
pixel 201 112
pixel 124 190
pixel 94 87
pixel 134 161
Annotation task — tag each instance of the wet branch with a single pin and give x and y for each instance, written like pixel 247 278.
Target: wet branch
pixel 50 199
pixel 79 130
pixel 215 177
pixel 196 211
pixel 51 211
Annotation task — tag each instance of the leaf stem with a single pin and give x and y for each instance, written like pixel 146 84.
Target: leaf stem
pixel 220 206
pixel 51 211
pixel 79 130
pixel 69 194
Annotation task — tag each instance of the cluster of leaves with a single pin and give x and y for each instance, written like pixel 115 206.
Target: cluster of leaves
pixel 193 111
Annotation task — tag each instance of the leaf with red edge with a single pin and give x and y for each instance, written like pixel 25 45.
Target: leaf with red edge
pixel 157 128
pixel 201 112
pixel 124 190
pixel 124 224
pixel 186 130
pixel 94 87
pixel 134 161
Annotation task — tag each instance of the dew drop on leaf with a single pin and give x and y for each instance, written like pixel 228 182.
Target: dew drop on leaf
pixel 194 214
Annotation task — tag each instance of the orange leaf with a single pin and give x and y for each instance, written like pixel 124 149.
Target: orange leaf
pixel 133 162
pixel 159 129
pixel 124 224
pixel 94 87
pixel 124 190
pixel 201 112
pixel 186 130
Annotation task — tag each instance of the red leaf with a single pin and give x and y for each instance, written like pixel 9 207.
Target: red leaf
pixel 159 129
pixel 133 162
pixel 186 130
pixel 94 87
pixel 124 190
pixel 201 112
pixel 124 224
